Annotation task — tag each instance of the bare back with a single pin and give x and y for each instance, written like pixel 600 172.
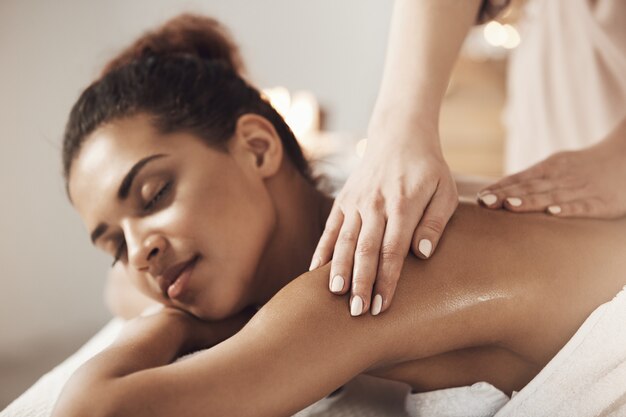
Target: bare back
pixel 550 273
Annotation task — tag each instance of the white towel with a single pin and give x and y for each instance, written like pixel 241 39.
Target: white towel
pixel 587 377
pixel 479 400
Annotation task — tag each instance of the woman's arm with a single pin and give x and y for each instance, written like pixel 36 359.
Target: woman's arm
pixel 523 283
pixel 144 343
pixel 300 347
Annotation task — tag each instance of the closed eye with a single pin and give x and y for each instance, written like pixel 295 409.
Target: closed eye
pixel 158 196
pixel 148 207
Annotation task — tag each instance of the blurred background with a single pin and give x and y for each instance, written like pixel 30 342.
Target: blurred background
pixel 324 54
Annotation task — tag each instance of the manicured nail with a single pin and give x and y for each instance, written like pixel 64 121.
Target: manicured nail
pixel 377 304
pixel 336 284
pixel 554 209
pixel 425 247
pixel 314 264
pixel 356 307
pixel 514 201
pixel 488 199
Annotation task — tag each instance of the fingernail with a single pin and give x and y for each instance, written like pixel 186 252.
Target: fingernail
pixel 554 209
pixel 356 307
pixel 377 304
pixel 314 264
pixel 425 247
pixel 336 284
pixel 514 201
pixel 488 199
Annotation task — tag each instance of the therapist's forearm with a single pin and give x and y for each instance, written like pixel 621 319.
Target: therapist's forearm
pixel 424 41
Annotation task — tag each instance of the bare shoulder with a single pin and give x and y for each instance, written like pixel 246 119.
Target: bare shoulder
pixel 437 309
pixel 493 279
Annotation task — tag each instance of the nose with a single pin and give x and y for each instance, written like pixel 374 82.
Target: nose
pixel 145 248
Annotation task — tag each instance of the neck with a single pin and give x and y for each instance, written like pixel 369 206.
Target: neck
pixel 301 213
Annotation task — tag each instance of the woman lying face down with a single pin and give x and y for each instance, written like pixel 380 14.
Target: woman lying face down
pixel 189 179
pixel 206 230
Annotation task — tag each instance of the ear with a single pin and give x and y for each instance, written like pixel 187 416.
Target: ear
pixel 256 142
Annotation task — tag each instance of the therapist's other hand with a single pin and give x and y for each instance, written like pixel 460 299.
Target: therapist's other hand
pixel 401 196
pixel 586 183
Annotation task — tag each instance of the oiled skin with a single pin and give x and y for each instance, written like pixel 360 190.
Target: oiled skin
pixel 503 293
pixel 551 273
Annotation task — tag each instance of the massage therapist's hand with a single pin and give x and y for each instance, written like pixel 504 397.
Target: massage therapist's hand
pixel 401 196
pixel 586 183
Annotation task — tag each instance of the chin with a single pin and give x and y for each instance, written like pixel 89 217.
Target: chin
pixel 213 311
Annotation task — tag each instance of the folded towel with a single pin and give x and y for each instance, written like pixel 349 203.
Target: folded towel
pixel 479 400
pixel 587 377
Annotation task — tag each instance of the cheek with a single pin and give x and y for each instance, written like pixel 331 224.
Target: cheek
pixel 236 224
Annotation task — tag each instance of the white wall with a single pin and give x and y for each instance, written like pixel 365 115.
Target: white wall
pixel 49 50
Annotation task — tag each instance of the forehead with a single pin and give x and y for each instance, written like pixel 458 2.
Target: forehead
pixel 107 150
pixel 109 153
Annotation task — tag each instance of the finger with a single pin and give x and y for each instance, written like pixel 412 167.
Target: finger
pixel 395 247
pixel 496 197
pixel 540 202
pixel 324 250
pixel 366 261
pixel 488 195
pixel 343 254
pixel 534 172
pixel 577 208
pixel 433 222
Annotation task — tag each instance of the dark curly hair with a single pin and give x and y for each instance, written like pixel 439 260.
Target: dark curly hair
pixel 181 90
pixel 187 33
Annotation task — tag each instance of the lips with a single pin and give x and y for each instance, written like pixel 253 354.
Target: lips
pixel 174 273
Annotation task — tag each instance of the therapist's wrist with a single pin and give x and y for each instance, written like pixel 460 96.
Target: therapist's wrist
pixel 402 130
pixel 405 111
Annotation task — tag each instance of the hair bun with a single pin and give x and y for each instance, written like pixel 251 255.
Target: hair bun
pixel 189 34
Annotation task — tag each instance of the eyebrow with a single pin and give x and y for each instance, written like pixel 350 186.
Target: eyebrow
pixel 124 190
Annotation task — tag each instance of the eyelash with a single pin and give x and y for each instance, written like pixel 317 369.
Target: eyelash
pixel 157 197
pixel 118 254
pixel 151 204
